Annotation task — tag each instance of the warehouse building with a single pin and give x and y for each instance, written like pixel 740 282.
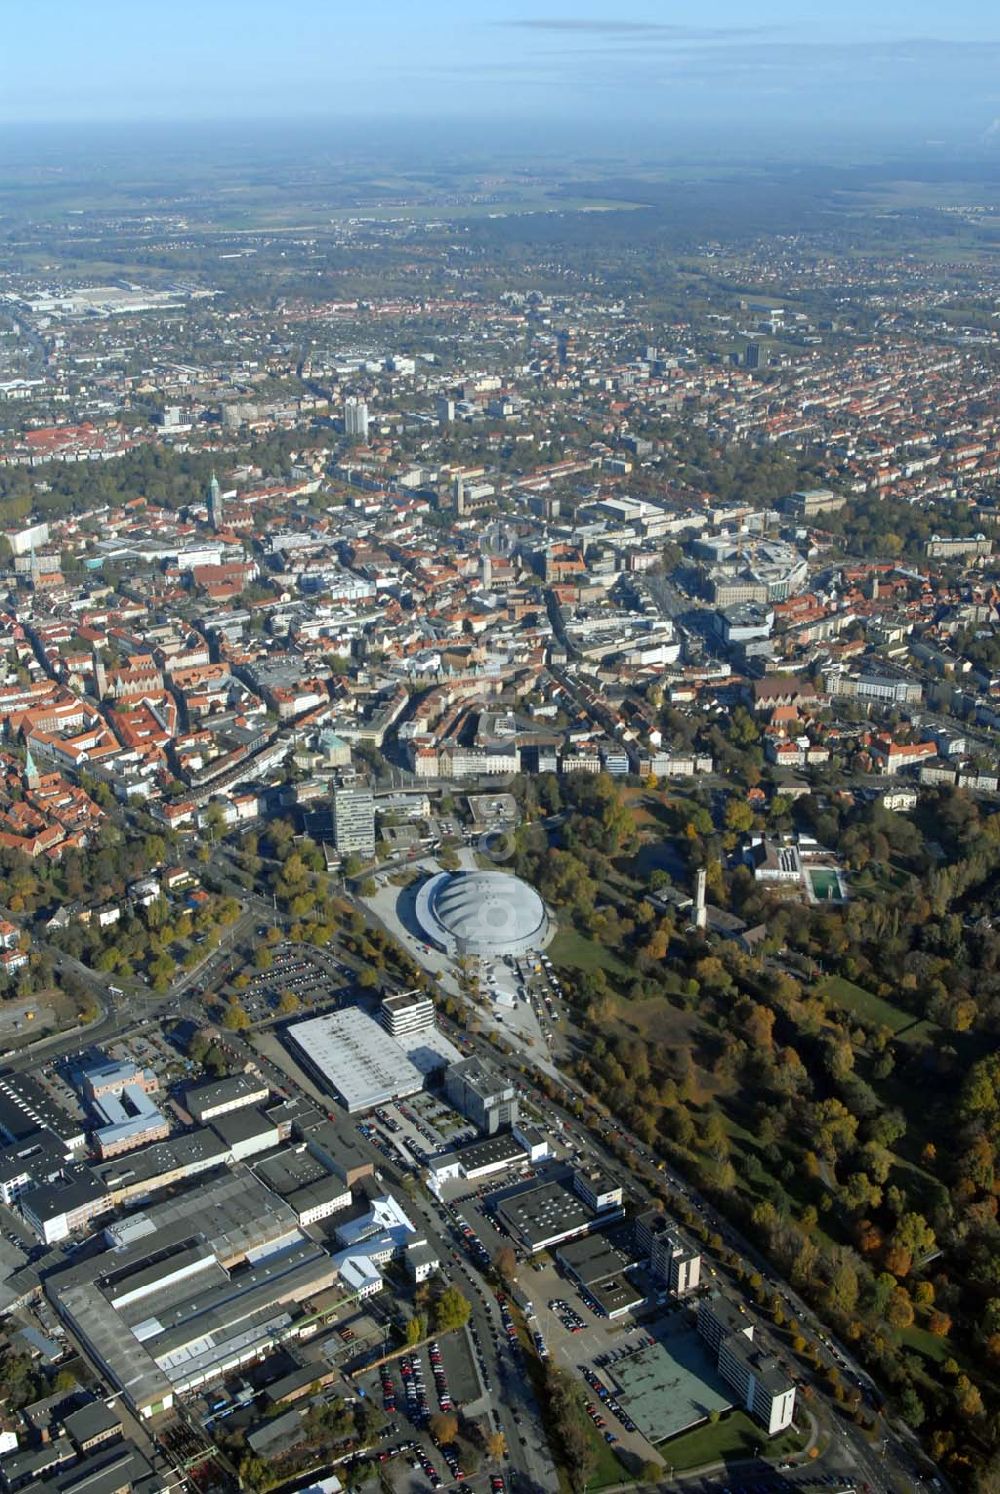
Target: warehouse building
pixel 153 1168
pixel 205 1101
pixel 39 1158
pixel 349 1054
pixel 672 1384
pixel 69 1202
pixel 602 1271
pixel 26 1107
pixel 192 1289
pixel 338 1150
pixel 479 1159
pixel 548 1213
pixel 246 1132
pixel 299 1177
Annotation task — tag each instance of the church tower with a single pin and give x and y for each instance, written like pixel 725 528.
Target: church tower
pixel 100 676
pixel 32 777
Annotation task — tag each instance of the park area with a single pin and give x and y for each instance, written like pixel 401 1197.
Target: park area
pixel 867 1007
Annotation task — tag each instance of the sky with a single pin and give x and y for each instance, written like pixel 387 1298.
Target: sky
pixel 885 68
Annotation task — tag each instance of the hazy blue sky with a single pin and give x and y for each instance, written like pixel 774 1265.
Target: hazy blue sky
pixel 921 66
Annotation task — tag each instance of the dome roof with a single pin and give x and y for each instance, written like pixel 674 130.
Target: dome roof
pixel 484 912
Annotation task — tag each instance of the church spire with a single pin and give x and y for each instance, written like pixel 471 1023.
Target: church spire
pixel 32 777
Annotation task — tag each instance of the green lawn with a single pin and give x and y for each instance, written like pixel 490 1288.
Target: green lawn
pixel 730 1439
pixel 608 1470
pixel 937 1350
pixel 571 950
pixel 865 1004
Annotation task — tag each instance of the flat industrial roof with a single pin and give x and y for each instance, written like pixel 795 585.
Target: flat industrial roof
pixel 617 1294
pixel 162 1159
pixel 592 1259
pixel 546 1214
pixel 234 1090
pixel 235 1212
pixel 490 1151
pixel 243 1124
pixel 290 1168
pixel 123 1356
pixel 670 1385
pixel 362 1064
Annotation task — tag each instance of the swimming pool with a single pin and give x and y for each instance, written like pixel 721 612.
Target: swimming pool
pixel 825 884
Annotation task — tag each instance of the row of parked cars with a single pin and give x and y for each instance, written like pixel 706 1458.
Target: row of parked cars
pixel 607 1399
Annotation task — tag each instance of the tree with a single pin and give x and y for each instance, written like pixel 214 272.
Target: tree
pixel 235 1018
pixel 443 1427
pixel 505 1264
pixel 496 1446
pixel 967 1397
pixel 451 1310
pixel 256 1474
pixel 570 1426
pixel 738 816
pixel 899 1310
pixel 843 1290
pixel 416 1329
pixel 911 1407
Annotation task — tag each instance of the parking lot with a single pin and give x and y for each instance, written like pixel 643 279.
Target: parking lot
pixel 439 1377
pixel 293 969
pixel 581 1350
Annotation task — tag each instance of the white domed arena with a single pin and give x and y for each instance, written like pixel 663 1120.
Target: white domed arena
pixel 488 914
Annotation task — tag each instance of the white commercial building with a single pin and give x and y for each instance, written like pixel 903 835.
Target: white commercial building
pixel 410 1011
pixel 350 1054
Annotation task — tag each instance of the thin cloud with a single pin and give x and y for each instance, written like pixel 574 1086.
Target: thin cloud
pixel 606 28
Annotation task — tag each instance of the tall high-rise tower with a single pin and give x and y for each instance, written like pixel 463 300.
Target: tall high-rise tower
pixel 215 504
pixel 445 409
pixel 459 494
pixel 699 898
pixel 356 418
